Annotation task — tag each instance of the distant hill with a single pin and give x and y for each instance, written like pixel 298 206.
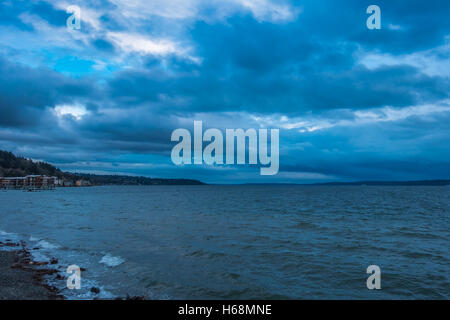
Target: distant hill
pixel 363 183
pixel 13 166
pixel 131 180
pixel 389 183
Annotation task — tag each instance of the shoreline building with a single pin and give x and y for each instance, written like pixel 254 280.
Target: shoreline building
pixel 83 183
pixel 30 182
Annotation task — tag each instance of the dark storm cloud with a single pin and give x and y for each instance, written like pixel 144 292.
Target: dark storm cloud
pixel 294 67
pixel 289 91
pixel 423 24
pixel 25 92
pixel 47 12
pixel 411 148
pixel 12 9
pixel 9 14
pixel 103 45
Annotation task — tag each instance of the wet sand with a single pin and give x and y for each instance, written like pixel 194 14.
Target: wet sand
pixel 20 277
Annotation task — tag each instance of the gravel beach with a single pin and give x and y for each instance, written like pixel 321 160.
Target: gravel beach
pixel 20 279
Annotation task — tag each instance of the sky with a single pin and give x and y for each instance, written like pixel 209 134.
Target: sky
pixel 351 103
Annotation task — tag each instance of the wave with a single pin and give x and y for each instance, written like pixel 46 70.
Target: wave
pixel 44 251
pixel 111 261
pixel 47 245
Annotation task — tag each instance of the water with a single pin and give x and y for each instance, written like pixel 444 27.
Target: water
pixel 240 242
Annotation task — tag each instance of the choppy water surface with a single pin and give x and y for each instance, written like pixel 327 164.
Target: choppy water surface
pixel 233 242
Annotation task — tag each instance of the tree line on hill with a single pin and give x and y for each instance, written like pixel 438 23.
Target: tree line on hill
pixel 14 166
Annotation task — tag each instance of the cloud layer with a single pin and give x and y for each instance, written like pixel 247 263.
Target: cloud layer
pixel 351 103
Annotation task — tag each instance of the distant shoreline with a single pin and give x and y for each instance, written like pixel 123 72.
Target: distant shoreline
pixel 330 184
pixel 418 183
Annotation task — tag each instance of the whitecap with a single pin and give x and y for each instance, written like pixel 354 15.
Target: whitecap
pixel 39 256
pixel 47 245
pixel 8 236
pixel 4 233
pixel 112 261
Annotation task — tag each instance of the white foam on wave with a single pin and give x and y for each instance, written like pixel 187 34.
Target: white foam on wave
pixel 111 261
pixel 7 234
pixel 47 245
pixel 84 293
pixel 39 256
pixel 13 237
pixel 41 251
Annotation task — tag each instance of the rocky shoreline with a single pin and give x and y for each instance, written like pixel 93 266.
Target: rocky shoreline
pixel 21 278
